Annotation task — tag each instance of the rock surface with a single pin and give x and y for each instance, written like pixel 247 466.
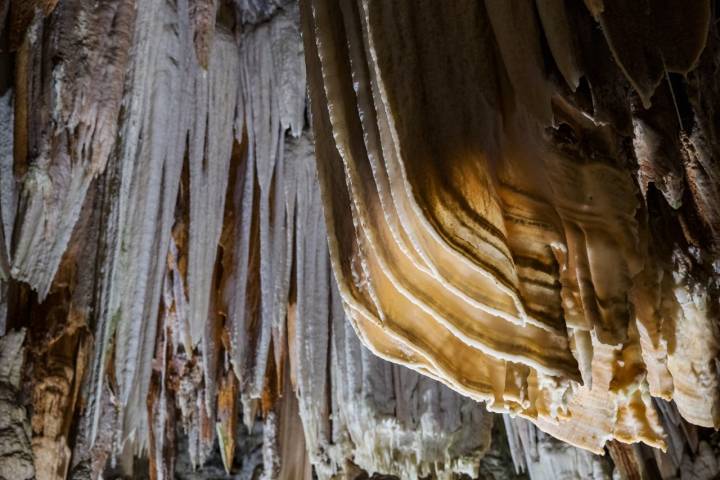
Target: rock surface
pixel 269 239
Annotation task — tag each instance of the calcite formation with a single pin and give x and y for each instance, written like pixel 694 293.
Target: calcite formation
pixel 343 238
pixel 494 208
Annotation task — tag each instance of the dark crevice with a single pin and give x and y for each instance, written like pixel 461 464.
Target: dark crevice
pixel 679 91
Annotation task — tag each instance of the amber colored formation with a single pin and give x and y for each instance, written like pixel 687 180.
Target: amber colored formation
pixel 499 206
pixel 343 239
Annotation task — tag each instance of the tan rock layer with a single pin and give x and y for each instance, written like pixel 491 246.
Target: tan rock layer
pixel 486 226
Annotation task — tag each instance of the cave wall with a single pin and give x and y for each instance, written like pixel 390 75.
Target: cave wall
pixel 266 239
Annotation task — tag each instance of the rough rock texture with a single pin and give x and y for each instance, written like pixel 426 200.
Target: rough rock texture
pixel 269 239
pixel 70 67
pixel 16 458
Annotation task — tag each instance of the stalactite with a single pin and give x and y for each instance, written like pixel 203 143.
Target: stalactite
pixel 542 456
pixel 334 239
pixel 210 146
pixel 69 72
pixel 8 187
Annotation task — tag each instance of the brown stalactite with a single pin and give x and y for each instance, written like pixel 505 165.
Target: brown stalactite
pixel 69 87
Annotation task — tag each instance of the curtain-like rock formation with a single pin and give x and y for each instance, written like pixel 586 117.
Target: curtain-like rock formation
pixel 493 213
